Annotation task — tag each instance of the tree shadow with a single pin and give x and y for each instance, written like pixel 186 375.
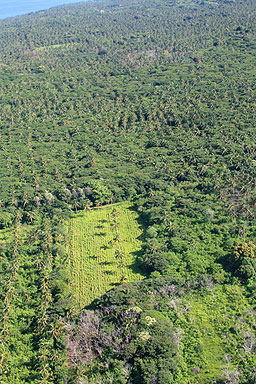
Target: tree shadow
pixel 136 265
pixel 108 272
pixel 227 262
pixel 99 226
pixel 106 263
pixel 100 234
pixel 142 224
pixel 105 247
pixel 114 284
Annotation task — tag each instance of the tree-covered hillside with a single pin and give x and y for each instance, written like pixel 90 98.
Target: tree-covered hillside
pixel 151 102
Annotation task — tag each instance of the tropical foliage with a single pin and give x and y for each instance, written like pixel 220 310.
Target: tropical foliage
pixel 149 104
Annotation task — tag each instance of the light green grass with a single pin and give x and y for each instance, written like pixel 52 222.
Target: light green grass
pixel 94 268
pixel 46 47
pixel 211 342
pixel 213 315
pixel 5 234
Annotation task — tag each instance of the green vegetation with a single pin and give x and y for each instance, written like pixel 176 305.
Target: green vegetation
pixel 210 333
pixel 96 244
pixel 219 332
pixel 5 234
pixel 151 102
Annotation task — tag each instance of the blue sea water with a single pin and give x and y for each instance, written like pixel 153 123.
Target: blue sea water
pixel 10 8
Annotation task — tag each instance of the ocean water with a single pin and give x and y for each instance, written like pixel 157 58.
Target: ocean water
pixel 10 8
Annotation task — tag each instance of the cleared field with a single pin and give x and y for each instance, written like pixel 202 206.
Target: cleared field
pixel 97 238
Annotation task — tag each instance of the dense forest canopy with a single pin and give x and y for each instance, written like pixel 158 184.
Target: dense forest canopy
pixel 150 101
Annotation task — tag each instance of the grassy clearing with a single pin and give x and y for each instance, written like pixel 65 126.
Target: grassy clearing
pixel 217 322
pixel 94 266
pixel 211 342
pixel 46 47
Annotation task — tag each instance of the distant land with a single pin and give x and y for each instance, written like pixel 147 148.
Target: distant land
pixel 10 8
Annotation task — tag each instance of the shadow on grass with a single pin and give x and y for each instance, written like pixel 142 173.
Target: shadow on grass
pixel 136 267
pixel 99 226
pixel 114 284
pixel 105 247
pixel 100 234
pixel 108 272
pixel 106 263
